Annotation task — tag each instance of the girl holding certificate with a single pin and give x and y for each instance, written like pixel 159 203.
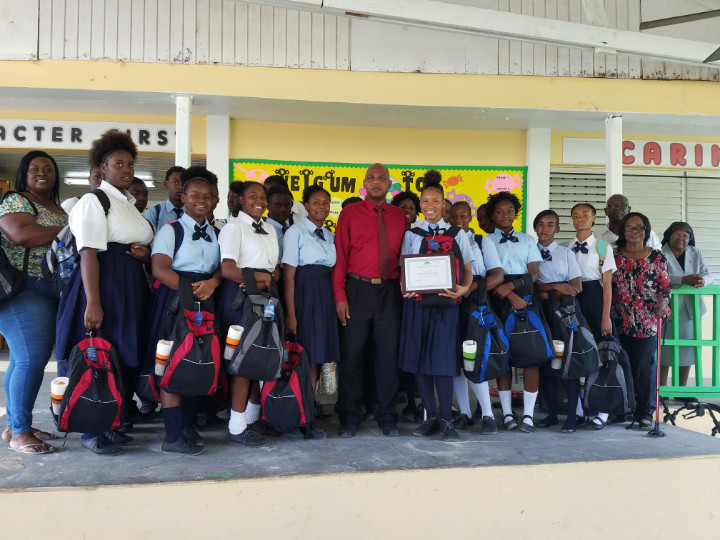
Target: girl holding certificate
pixel 428 335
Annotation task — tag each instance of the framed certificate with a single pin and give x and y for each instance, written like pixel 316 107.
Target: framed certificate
pixel 427 273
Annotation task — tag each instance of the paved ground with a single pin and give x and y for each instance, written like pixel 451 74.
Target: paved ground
pixel 142 461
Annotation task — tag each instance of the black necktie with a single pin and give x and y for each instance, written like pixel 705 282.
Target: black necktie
pixel 581 247
pixel 284 228
pixel 200 232
pixel 259 228
pixel 546 254
pixel 319 233
pixel 509 237
pixel 178 212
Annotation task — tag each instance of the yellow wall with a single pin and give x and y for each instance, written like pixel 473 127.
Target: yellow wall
pixel 654 499
pixel 503 91
pixel 308 142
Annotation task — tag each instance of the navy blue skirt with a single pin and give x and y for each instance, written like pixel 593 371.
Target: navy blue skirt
pixel 591 305
pixel 160 326
pixel 429 338
pixel 317 324
pixel 125 298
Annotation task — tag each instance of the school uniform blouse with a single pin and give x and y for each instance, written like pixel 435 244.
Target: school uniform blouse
pixel 193 255
pixel 123 224
pixel 278 230
pixel 515 256
pixel 589 262
pixel 249 249
pixel 163 213
pixel 486 257
pixel 411 241
pixel 561 266
pixel 302 246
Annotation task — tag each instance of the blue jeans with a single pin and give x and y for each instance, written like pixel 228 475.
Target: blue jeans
pixel 28 324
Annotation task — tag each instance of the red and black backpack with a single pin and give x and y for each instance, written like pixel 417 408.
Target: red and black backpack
pixel 194 363
pixel 92 402
pixel 441 242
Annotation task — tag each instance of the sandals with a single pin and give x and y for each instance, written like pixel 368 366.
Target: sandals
pixel 7 434
pixel 21 449
pixel 509 424
pixel 596 424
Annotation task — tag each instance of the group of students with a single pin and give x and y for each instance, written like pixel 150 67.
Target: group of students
pixel 353 280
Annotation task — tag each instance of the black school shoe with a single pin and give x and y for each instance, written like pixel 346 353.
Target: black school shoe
pixel 182 446
pixel 462 422
pixel 390 430
pixel 101 445
pixel 118 437
pixel 347 431
pixel 448 432
pixel 427 428
pixel 248 438
pixel 489 426
pixel 293 434
pixel 193 437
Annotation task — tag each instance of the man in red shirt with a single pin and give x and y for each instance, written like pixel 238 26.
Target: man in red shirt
pixel 367 296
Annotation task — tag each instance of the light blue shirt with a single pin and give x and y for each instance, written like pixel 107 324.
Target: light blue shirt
pixel 562 268
pixel 486 258
pixel 194 255
pixel 515 256
pixel 302 247
pixel 279 230
pixel 412 242
pixel 165 214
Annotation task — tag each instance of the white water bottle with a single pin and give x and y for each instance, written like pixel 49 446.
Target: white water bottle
pixel 65 263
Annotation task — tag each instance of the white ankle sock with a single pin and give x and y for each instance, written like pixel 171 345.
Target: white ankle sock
pixel 529 404
pixel 602 416
pixel 579 409
pixel 505 401
pixel 460 385
pixel 252 412
pixel 238 423
pixel 482 393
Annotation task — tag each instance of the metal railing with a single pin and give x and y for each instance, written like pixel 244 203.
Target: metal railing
pixel 700 389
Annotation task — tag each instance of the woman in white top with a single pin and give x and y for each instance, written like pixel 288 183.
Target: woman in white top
pixel 246 241
pixel 109 291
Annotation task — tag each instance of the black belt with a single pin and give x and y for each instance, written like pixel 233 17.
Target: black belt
pixel 373 281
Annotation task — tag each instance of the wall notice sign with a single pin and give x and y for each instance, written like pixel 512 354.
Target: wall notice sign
pixel 68 135
pixel 664 154
pixel 344 180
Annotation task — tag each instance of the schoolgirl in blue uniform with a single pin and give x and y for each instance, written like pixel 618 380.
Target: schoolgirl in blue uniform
pixel 429 335
pixel 197 260
pixel 246 241
pixel 597 265
pixel 308 258
pixel 485 266
pixel 519 256
pixel 559 274
pixel 109 291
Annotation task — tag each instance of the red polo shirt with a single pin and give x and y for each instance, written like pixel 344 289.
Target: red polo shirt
pixel 356 242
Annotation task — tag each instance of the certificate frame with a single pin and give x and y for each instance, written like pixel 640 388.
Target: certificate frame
pixel 427 273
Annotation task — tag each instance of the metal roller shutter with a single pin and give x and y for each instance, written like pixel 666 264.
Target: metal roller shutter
pixel 703 215
pixel 568 189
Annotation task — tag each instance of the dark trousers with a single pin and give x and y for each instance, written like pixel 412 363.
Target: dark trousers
pixel 374 321
pixel 641 352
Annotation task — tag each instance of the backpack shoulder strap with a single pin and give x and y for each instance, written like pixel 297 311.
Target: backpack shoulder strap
pixel 157 214
pixel 32 205
pixel 419 231
pixel 601 251
pixel 564 244
pixel 103 198
pixel 479 241
pixel 179 235
pixel 452 231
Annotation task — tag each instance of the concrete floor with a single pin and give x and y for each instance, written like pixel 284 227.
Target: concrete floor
pixel 142 461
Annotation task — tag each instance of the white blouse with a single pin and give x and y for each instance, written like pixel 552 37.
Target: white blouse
pixel 123 224
pixel 239 242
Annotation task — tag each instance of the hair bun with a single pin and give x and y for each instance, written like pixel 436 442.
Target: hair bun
pixel 432 177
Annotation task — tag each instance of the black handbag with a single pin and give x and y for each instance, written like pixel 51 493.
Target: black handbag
pixel 12 280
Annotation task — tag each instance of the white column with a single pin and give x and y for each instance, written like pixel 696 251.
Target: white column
pixel 218 157
pixel 538 180
pixel 613 156
pixel 183 130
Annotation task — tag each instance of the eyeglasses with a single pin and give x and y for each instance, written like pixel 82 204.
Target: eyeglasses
pixel 617 205
pixel 639 228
